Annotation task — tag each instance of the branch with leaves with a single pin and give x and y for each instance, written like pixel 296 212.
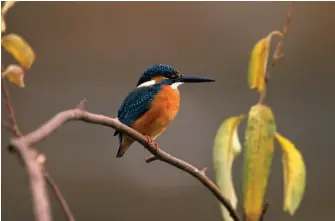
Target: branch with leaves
pixel 259 139
pixel 33 161
pixel 260 134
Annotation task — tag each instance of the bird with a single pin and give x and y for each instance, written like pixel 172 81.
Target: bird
pixel 153 104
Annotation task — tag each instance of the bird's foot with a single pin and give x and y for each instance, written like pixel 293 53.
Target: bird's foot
pixel 150 141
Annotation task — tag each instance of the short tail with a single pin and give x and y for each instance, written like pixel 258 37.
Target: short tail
pixel 120 152
pixel 124 144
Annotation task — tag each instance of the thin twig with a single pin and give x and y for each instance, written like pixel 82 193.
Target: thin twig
pixel 76 114
pixel 59 196
pixel 277 55
pixel 10 108
pixel 8 127
pixel 204 170
pixel 265 209
pixel 151 159
pixel 39 192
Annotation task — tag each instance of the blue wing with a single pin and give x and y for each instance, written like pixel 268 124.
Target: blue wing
pixel 135 105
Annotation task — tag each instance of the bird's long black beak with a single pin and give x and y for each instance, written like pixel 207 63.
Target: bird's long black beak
pixel 194 79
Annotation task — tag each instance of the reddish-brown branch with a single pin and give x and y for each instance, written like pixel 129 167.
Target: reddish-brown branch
pixel 10 108
pixel 30 158
pixel 77 114
pixel 277 55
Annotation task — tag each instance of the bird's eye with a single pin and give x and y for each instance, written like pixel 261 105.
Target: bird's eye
pixel 174 76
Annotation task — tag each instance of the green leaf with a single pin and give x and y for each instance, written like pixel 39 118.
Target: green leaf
pixel 259 140
pixel 294 174
pixel 19 48
pixel 226 147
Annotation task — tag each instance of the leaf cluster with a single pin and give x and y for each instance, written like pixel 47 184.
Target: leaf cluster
pixel 260 135
pixel 18 48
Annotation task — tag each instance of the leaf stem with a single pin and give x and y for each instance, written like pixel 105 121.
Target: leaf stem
pixel 277 53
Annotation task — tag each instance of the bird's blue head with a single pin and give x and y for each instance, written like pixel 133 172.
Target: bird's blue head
pixel 159 72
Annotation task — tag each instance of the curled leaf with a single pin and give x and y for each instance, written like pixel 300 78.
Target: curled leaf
pixel 258 62
pixel 259 138
pixel 15 75
pixel 19 48
pixel 226 147
pixel 294 174
pixel 7 5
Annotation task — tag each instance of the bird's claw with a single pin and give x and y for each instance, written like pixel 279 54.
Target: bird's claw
pixel 150 141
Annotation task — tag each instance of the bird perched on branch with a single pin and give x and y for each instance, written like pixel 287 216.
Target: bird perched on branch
pixel 151 106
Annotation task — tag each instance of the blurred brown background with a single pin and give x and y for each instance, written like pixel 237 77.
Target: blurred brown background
pixel 98 50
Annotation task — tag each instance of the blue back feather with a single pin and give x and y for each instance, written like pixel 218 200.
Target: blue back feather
pixel 138 102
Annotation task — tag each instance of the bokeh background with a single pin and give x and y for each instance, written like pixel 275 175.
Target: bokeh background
pixel 98 50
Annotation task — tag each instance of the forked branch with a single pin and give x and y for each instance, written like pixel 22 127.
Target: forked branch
pixel 36 169
pixel 79 114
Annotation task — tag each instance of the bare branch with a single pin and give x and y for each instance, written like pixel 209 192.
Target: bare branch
pixel 34 163
pixel 76 114
pixel 277 53
pixel 151 159
pixel 265 209
pixel 82 104
pixel 204 170
pixel 36 179
pixel 8 127
pixel 59 196
pixel 10 109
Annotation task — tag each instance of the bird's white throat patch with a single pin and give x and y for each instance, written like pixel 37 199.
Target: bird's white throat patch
pixel 175 85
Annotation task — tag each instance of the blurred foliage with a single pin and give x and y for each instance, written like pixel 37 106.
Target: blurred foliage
pixel 226 147
pixel 18 48
pixel 259 147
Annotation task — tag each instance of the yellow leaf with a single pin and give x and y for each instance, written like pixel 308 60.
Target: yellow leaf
pixel 15 75
pixel 3 24
pixel 226 147
pixel 259 138
pixel 19 48
pixel 7 5
pixel 258 62
pixel 294 174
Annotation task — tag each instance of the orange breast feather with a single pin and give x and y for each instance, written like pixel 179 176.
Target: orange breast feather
pixel 163 110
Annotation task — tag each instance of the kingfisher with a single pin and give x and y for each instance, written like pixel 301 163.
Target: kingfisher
pixel 153 104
